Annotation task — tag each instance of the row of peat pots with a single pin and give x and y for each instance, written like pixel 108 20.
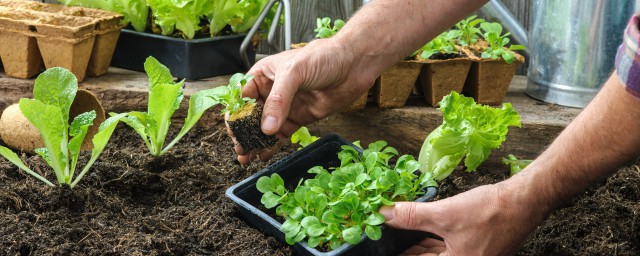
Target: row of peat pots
pixel 33 35
pixel 486 80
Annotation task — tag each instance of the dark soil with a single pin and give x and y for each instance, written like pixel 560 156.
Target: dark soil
pixel 447 56
pixel 248 132
pixel 133 204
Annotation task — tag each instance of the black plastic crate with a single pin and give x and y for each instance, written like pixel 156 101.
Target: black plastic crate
pixel 191 59
pixel 323 152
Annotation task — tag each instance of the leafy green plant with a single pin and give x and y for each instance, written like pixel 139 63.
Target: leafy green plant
pixel 135 12
pixel 54 91
pixel 230 96
pixel 516 165
pixel 469 131
pixel 185 16
pixel 302 137
pixel 468 30
pixel 443 43
pixel 324 28
pixel 165 97
pixel 492 33
pixel 339 206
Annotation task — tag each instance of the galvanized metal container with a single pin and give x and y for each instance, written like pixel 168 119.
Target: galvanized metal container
pixel 572 47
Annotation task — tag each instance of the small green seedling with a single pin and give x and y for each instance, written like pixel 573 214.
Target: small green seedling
pixel 302 137
pixel 468 30
pixel 165 97
pixel 516 165
pixel 444 43
pixel 54 91
pixel 339 206
pixel 492 33
pixel 324 28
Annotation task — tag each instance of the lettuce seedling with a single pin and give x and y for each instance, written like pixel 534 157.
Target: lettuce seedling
pixel 245 115
pixel 302 137
pixel 54 91
pixel 165 97
pixel 339 206
pixel 324 28
pixel 516 165
pixel 444 44
pixel 468 30
pixel 497 43
pixel 469 131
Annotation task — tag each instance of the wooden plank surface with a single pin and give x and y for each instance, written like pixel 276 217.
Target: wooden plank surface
pixel 404 128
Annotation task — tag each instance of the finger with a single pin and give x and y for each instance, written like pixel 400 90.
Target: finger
pixel 422 251
pixel 244 159
pixel 258 88
pixel 278 103
pixel 409 215
pixel 266 154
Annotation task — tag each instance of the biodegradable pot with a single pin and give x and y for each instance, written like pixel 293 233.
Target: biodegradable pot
pixel 192 59
pixel 394 86
pixel 18 47
pixel 323 152
pixel 438 78
pixel 489 79
pixel 245 126
pixel 17 132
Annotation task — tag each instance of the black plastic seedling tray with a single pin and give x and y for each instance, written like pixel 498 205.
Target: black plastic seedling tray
pixel 323 152
pixel 191 59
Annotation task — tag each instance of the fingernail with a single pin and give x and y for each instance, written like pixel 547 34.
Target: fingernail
pixel 269 124
pixel 387 212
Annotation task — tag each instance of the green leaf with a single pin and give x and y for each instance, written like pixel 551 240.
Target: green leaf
pixel 57 87
pixel 515 164
pixel 270 200
pixel 15 159
pixel 297 213
pixel 290 226
pixel 374 219
pixel 373 232
pixel 352 235
pixel 314 241
pixel 78 129
pixel 265 185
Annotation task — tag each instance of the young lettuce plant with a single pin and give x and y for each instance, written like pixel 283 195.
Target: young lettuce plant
pixel 469 131
pixel 54 91
pixel 497 43
pixel 245 115
pixel 302 137
pixel 324 28
pixel 516 165
pixel 339 206
pixel 165 97
pixel 468 30
pixel 442 44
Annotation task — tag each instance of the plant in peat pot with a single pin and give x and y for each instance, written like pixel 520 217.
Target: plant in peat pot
pixel 445 67
pixel 339 204
pixel 491 73
pixel 469 32
pixel 54 91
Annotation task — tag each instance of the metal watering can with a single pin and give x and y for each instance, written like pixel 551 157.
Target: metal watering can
pixel 571 45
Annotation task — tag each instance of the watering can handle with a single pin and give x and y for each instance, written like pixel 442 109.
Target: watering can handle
pixel 283 5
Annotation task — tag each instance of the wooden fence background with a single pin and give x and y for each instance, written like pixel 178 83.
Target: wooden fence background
pixel 305 12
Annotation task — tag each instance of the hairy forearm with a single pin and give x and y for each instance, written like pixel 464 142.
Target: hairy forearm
pixel 600 140
pixel 384 32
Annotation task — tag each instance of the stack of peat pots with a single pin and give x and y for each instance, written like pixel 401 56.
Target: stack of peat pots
pixel 442 74
pixel 34 34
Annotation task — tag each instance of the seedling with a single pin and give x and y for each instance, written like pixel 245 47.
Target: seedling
pixel 338 206
pixel 516 165
pixel 245 114
pixel 469 131
pixel 165 97
pixel 468 30
pixel 497 43
pixel 324 28
pixel 54 91
pixel 302 137
pixel 442 44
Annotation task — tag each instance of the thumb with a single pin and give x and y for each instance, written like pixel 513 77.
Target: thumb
pixel 408 215
pixel 278 103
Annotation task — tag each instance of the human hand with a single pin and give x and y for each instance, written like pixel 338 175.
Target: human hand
pixel 487 220
pixel 302 86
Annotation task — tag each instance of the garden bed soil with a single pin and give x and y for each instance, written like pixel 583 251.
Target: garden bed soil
pixel 133 204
